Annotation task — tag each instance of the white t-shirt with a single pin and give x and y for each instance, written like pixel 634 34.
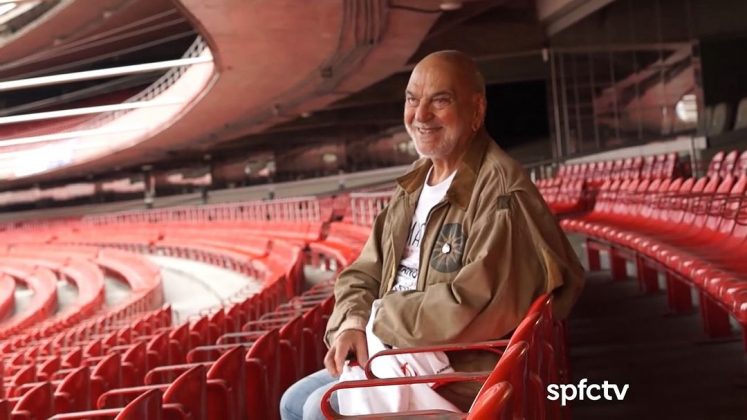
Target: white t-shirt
pixel 407 272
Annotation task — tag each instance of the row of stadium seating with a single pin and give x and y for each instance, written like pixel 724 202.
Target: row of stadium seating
pixel 121 341
pixel 225 363
pixel 574 187
pixel 690 229
pixel 728 163
pixel 217 243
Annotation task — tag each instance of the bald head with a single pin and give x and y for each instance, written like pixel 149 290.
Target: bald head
pixel 458 64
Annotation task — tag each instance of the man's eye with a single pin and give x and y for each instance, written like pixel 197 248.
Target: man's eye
pixel 411 101
pixel 442 101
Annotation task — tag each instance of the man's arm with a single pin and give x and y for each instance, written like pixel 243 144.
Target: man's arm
pixel 358 286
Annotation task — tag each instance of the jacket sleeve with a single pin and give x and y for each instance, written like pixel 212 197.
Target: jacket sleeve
pixel 358 286
pixel 503 271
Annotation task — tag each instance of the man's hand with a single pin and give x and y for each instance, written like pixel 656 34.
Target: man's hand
pixel 349 341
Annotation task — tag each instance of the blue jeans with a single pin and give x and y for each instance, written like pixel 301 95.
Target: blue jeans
pixel 302 401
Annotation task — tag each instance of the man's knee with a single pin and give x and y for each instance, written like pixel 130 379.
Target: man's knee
pixel 293 403
pixel 312 409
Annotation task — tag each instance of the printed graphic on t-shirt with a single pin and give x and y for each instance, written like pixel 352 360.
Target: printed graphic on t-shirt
pixel 407 272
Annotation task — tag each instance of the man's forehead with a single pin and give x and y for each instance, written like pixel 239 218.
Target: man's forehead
pixel 433 80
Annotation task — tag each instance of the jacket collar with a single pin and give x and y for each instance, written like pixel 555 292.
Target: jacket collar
pixel 461 187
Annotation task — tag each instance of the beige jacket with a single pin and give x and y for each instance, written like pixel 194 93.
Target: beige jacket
pixel 504 248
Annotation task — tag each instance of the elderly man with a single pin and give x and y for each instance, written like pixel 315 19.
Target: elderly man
pixel 461 251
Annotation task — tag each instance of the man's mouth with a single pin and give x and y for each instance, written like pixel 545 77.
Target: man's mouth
pixel 427 130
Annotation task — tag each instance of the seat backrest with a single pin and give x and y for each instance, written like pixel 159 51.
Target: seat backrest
pixel 4 408
pixel 147 406
pixel 729 163
pixel 620 168
pixel 231 369
pixel 669 166
pixel 658 198
pixel 511 368
pixel 106 375
pixel 261 374
pixel 37 403
pixel 648 197
pixel 714 167
pixel 189 390
pixel 199 332
pixel 740 168
pixel 678 203
pixel 718 204
pixel 703 190
pixel 493 404
pixel 74 392
pixel 733 204
pixel 158 350
pixel 74 358
pixel 135 365
pixel 647 168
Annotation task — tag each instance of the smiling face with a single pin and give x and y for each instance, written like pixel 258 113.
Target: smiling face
pixel 443 108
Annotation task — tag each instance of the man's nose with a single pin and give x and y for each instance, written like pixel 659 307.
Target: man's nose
pixel 423 112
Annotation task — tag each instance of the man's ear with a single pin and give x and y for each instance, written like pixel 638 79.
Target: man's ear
pixel 480 107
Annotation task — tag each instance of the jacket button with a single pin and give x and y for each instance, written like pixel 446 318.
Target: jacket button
pixel 446 249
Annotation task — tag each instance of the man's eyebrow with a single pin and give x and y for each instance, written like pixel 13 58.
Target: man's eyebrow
pixel 443 93
pixel 408 93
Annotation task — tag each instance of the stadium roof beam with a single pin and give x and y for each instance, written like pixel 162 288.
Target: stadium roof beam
pixel 67 135
pixel 101 73
pixel 87 110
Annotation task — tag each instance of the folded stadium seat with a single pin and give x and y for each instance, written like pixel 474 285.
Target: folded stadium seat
pixel 606 171
pixel 147 406
pixel 620 168
pixel 714 167
pixel 629 208
pixel 225 383
pixel 584 171
pixel 36 404
pixel 680 205
pixel 602 207
pixel 740 168
pixel 593 172
pixel 725 251
pixel 670 167
pixel 729 164
pixel 262 365
pixel 657 170
pixel 636 167
pixel 653 202
pixel 721 120
pixel 576 172
pixel 553 190
pixel 570 197
pixel 74 392
pixel 678 257
pixel 188 393
pixel 647 169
